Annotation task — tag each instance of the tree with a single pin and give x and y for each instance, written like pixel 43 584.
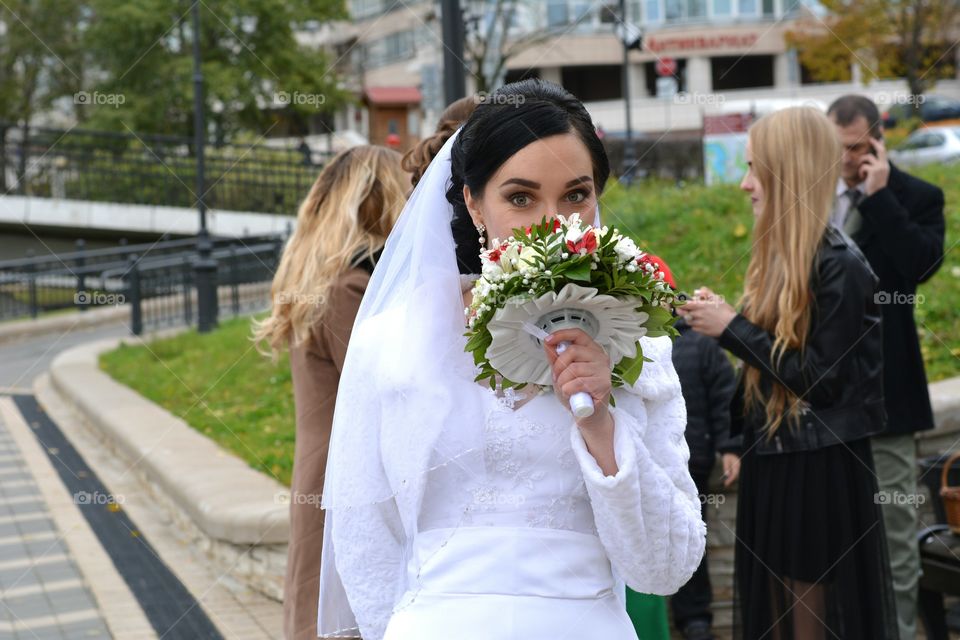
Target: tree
pixel 885 38
pixel 492 40
pixel 141 51
pixel 40 61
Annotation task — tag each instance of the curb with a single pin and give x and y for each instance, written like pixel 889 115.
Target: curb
pixel 228 501
pixel 19 329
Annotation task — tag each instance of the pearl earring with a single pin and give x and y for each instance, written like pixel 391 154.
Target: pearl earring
pixel 481 230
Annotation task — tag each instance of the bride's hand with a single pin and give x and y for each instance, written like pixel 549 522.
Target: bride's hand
pixel 583 366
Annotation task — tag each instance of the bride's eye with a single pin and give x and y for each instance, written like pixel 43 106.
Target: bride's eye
pixel 577 196
pixel 519 199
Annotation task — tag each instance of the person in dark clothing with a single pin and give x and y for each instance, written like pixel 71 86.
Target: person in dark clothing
pixel 897 221
pixel 707 381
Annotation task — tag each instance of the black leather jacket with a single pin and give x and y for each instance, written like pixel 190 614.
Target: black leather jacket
pixel 839 375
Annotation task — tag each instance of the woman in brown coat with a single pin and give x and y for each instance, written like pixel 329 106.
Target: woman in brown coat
pixel 341 228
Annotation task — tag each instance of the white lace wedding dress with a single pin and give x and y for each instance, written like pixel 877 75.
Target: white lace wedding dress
pixel 546 541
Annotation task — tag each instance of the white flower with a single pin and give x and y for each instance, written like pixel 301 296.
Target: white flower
pixel 508 258
pixel 626 249
pixel 527 257
pixel 491 270
pixel 574 233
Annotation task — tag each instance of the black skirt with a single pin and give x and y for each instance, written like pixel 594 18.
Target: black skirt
pixel 811 557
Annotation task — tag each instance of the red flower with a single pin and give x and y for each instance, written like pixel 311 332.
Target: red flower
pixel 494 254
pixel 588 241
pixel 556 226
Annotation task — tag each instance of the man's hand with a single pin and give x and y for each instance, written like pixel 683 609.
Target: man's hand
pixel 875 169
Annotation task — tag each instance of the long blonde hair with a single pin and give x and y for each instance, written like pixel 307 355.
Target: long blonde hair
pixel 344 219
pixel 796 158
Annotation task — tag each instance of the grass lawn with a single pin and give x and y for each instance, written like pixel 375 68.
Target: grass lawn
pixel 220 385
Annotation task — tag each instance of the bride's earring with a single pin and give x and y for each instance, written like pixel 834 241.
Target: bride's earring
pixel 482 230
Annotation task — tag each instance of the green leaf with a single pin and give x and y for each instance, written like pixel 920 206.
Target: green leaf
pixel 580 272
pixel 630 368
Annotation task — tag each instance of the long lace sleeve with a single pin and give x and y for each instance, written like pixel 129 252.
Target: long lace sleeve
pixel 648 513
pixel 368 545
pixel 362 559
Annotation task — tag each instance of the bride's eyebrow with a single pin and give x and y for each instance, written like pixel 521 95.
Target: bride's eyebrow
pixel 536 185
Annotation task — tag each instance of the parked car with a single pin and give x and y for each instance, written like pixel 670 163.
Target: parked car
pixel 932 109
pixel 927 146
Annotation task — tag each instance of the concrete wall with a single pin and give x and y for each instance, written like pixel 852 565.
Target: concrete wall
pixel 134 218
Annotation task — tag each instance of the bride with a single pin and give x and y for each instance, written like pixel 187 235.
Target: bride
pixel 459 511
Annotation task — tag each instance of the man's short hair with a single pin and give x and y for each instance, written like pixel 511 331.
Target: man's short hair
pixel 848 108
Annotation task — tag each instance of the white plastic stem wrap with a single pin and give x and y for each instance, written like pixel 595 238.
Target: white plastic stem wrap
pixel 581 403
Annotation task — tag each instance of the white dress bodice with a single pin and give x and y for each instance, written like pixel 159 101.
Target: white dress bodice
pixel 531 479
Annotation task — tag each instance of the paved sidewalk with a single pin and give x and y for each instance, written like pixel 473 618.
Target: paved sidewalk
pixel 42 592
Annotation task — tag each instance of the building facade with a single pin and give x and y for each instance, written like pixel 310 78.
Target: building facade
pixel 698 57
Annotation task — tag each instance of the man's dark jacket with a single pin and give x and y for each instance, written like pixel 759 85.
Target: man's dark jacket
pixel 902 237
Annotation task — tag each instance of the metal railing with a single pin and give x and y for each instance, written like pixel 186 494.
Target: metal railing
pixel 153 170
pixel 163 293
pixel 149 273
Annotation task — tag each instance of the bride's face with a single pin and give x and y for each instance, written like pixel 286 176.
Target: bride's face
pixel 550 176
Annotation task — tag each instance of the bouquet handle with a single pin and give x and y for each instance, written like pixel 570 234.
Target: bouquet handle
pixel 581 403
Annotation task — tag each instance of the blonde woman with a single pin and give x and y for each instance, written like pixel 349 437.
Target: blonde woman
pixel 341 228
pixel 810 554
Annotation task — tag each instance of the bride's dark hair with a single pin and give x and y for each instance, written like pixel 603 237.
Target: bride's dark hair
pixel 503 123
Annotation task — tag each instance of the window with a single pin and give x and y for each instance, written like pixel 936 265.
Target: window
pixel 365 8
pixel 593 82
pixel 791 6
pixel 609 13
pixel 747 7
pixel 678 10
pixel 722 8
pixel 516 75
pixel 768 7
pixel 651 11
pixel 388 50
pixel 557 14
pixel 741 72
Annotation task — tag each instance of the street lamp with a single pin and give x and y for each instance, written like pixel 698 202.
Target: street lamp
pixel 631 37
pixel 205 267
pixel 454 79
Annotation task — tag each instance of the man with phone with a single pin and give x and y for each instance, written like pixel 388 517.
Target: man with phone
pixel 897 221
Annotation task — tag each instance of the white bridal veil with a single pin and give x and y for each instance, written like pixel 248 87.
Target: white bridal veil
pixel 407 406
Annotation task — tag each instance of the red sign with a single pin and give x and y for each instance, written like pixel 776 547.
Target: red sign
pixel 695 43
pixel 666 66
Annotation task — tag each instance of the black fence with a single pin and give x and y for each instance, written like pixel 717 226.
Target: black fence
pixel 163 292
pixel 157 280
pixel 153 170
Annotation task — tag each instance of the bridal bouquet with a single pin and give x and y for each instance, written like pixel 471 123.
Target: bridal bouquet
pixel 559 274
